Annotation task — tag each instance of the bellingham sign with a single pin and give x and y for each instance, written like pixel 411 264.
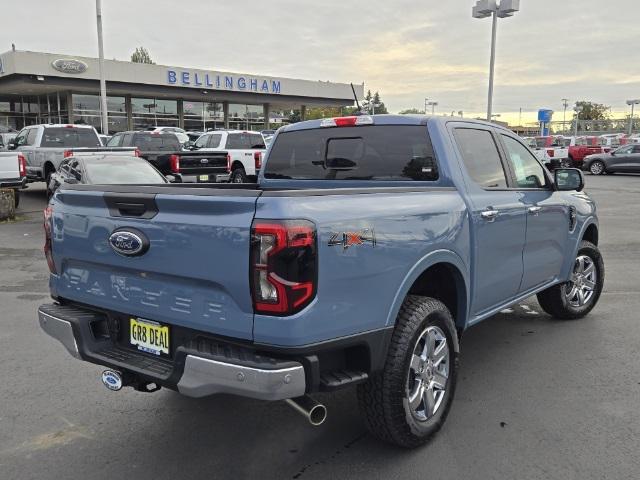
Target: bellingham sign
pixel 236 83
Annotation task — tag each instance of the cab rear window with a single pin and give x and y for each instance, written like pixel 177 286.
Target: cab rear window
pixel 377 152
pixel 156 141
pixel 69 137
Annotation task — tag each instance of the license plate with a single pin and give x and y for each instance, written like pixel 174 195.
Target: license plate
pixel 203 178
pixel 148 336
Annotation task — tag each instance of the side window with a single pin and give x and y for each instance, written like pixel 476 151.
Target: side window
pixel 22 137
pixel 214 140
pixel 202 141
pixel 636 149
pixel 481 158
pixel 114 141
pixel 31 136
pixel 128 140
pixel 529 173
pixel 74 169
pixel 234 142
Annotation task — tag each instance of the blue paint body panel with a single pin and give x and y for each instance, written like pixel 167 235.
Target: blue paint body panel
pixel 196 271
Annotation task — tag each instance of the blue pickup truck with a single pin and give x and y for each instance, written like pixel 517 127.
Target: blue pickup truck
pixel 367 247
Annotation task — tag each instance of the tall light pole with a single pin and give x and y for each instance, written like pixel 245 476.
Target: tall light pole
pixel 425 105
pixel 103 83
pixel 490 8
pixel 433 107
pixel 565 104
pixel 632 103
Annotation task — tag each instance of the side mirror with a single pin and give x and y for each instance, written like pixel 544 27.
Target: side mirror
pixel 567 179
pixel 12 145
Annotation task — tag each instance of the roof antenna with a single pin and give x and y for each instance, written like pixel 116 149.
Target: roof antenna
pixel 358 112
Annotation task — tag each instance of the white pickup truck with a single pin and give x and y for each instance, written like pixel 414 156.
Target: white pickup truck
pixel 45 146
pixel 244 152
pixel 13 172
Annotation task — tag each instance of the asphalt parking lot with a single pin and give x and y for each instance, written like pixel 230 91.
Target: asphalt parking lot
pixel 537 397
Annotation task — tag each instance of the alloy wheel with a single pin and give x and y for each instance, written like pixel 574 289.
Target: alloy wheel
pixel 580 289
pixel 428 373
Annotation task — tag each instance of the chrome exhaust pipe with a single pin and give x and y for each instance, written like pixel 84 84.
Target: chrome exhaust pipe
pixel 313 411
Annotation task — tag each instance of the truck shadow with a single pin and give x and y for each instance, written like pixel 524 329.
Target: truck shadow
pixel 242 438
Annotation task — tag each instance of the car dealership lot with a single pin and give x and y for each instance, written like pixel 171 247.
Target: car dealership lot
pixel 537 398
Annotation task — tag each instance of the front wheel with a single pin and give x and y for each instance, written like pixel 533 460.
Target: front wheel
pixel 577 297
pixel 566 163
pixel 238 175
pixel 596 167
pixel 408 401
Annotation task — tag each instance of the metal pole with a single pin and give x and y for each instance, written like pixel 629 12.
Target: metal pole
pixel 631 120
pixel 492 62
pixel 433 109
pixel 576 126
pixel 103 83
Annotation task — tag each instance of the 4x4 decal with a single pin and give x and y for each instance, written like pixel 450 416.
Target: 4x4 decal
pixel 347 239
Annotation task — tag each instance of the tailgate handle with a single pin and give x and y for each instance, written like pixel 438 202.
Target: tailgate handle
pixel 131 209
pixel 135 205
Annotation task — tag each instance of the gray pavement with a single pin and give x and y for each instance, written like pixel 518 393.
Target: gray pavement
pixel 537 398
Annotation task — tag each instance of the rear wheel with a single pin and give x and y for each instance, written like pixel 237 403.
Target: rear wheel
pixel 577 297
pixel 596 167
pixel 408 401
pixel 566 163
pixel 16 197
pixel 238 175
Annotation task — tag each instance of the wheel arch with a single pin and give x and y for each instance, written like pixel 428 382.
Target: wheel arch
pixel 46 168
pixel 451 287
pixel 590 233
pixel 236 164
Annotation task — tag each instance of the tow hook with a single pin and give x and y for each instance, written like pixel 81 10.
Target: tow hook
pixel 115 380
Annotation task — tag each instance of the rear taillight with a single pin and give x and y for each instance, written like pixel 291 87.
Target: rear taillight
pixel 22 165
pixel 137 152
pixel 48 221
pixel 228 163
pixel 257 159
pixel 283 266
pixel 174 163
pixel 67 153
pixel 551 152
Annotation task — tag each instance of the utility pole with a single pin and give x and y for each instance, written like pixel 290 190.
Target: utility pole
pixel 577 110
pixel 103 83
pixel 632 103
pixel 565 104
pixel 425 105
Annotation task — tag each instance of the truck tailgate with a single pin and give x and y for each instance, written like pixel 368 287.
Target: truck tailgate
pixel 195 273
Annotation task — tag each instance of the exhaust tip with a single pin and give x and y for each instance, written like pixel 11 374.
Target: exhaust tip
pixel 314 412
pixel 317 415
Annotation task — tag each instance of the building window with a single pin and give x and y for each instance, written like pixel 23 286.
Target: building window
pixel 86 110
pixel 152 112
pixel 202 116
pixel 246 117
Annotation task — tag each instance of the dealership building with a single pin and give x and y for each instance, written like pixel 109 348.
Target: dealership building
pixel 49 88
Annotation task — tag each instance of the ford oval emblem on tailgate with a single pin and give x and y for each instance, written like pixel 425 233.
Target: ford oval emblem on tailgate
pixel 129 242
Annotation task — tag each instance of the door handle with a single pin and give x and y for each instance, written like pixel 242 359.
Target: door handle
pixel 489 215
pixel 534 210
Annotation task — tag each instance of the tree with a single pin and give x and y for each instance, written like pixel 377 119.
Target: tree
pixel 411 111
pixel 141 55
pixel 372 103
pixel 592 110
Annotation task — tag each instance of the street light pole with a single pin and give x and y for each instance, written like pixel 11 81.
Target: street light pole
pixel 577 110
pixel 425 105
pixel 103 83
pixel 565 104
pixel 632 103
pixel 490 8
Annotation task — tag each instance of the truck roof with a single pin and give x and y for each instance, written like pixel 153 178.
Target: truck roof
pixel 61 125
pixel 393 119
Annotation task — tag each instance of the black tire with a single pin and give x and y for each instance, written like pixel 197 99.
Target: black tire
pixel 599 168
pixel 47 179
pixel 554 300
pixel 16 197
pixel 566 163
pixel 238 175
pixel 383 399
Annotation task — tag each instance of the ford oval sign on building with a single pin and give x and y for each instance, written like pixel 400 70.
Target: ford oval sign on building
pixel 69 65
pixel 128 242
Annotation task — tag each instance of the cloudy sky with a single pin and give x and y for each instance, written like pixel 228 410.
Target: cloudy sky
pixel 406 49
